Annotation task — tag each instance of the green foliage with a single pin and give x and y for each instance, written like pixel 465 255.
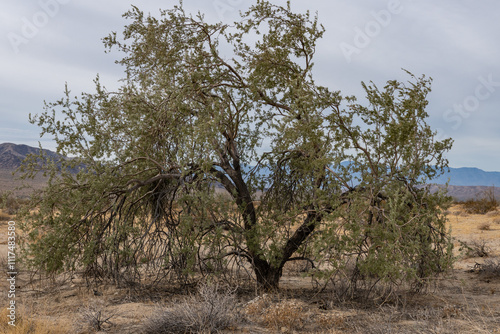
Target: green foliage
pixel 11 204
pixel 165 187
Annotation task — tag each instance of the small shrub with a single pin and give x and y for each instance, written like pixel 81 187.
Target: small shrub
pixel 328 321
pixel 257 306
pixel 210 311
pixel 93 318
pixel 475 248
pixel 485 227
pixel 287 315
pixel 298 268
pixel 484 204
pixel 491 267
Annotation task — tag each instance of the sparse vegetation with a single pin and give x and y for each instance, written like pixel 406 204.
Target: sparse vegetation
pixel 26 324
pixel 11 204
pixel 287 315
pixel 187 196
pixel 475 248
pixel 211 310
pixel 485 227
pixel 93 318
pixel 464 302
pixel 490 267
pixel 485 203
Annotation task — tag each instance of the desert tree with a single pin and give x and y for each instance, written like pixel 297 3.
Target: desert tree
pixel 219 151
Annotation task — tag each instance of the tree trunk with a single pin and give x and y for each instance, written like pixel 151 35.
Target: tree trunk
pixel 268 277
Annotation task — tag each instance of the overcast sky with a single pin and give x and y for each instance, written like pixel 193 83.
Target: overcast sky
pixel 45 43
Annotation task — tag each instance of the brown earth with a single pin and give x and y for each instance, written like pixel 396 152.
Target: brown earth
pixel 465 301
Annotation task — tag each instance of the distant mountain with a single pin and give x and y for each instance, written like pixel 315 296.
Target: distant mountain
pixel 464 182
pixel 12 155
pixel 463 193
pixel 469 176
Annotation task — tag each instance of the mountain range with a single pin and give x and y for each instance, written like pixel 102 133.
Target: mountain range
pixel 469 176
pixel 12 155
pixel 464 182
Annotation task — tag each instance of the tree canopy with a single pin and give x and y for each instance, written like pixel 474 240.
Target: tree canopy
pixel 220 155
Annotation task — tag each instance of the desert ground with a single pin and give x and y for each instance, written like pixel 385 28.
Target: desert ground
pixel 467 300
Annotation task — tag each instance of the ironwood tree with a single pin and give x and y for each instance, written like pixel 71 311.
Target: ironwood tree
pixel 219 153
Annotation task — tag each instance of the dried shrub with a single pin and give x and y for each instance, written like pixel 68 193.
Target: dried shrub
pixel 93 318
pixel 328 321
pixel 258 305
pixel 287 315
pixel 11 204
pixel 475 248
pixel 485 227
pixel 491 267
pixel 482 205
pixel 212 310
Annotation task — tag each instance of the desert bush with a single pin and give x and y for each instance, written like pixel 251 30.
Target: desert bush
pixel 93 317
pixel 147 189
pixel 11 204
pixel 485 203
pixel 257 306
pixel 298 268
pixel 474 248
pixel 328 321
pixel 212 310
pixel 484 227
pixel 490 267
pixel 287 315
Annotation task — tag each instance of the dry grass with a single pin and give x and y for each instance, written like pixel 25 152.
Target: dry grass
pixel 490 268
pixel 11 205
pixel 212 310
pixel 477 248
pixel 291 315
pixel 26 324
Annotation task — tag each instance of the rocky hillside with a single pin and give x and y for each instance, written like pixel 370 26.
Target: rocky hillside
pixel 12 155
